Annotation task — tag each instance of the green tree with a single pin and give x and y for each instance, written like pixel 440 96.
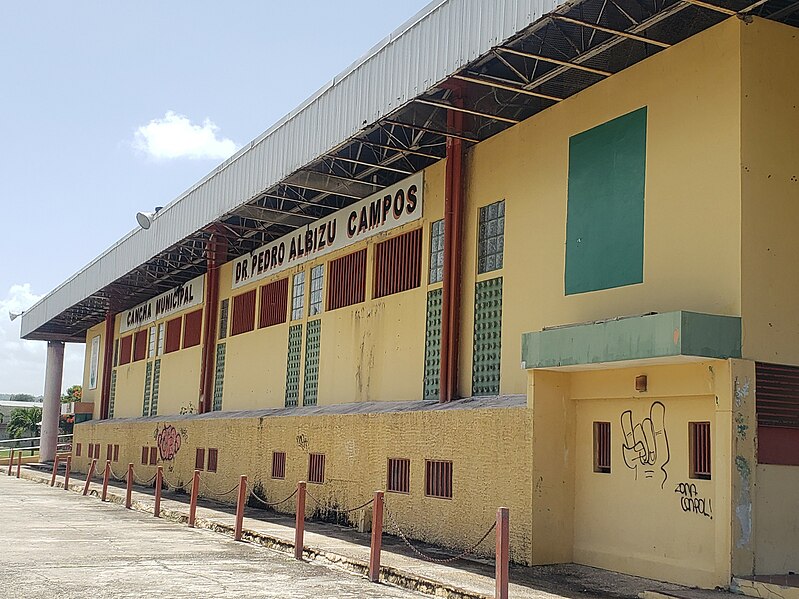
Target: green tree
pixel 74 393
pixel 24 422
pixel 21 397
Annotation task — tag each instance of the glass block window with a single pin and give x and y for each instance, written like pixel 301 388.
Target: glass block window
pixel 156 387
pixel 297 295
pixel 224 311
pixel 317 282
pixel 161 337
pixel 487 337
pixel 293 365
pixel 432 345
pixel 112 395
pixel 491 237
pixel 219 377
pixel 148 382
pixel 151 343
pixel 116 353
pixel 313 339
pixel 437 252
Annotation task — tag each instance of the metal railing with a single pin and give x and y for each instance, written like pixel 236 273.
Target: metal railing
pixel 6 446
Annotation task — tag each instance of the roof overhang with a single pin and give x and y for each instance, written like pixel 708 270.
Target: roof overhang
pixel 506 60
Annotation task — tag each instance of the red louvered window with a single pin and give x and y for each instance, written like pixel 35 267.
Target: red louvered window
pixel 193 328
pixel 153 456
pixel 438 479
pixel 274 303
pixel 125 347
pixel 398 264
pixel 140 345
pixel 699 449
pixel 278 464
pixel 144 453
pixel 199 459
pixel 77 450
pixel 116 453
pixel 173 335
pixel 213 458
pixel 399 475
pixel 602 447
pixel 316 468
pixel 347 281
pixel 243 313
pixel 109 452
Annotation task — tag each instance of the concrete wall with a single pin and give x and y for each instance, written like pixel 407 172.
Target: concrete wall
pixel 776 520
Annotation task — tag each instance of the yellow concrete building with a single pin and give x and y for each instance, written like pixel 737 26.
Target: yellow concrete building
pixel 568 294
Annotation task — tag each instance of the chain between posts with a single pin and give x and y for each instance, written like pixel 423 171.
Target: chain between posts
pixel 214 494
pixel 144 483
pixel 172 487
pixel 251 492
pixel 435 560
pixel 338 510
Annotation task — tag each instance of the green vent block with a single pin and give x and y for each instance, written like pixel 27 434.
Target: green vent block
pixel 219 377
pixel 432 345
pixel 156 386
pixel 113 394
pixel 487 337
pixel 313 338
pixel 293 365
pixel 148 384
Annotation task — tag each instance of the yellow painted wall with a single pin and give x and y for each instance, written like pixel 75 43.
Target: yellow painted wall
pixel 93 395
pixel 489 448
pixel 776 520
pixel 770 191
pixel 691 92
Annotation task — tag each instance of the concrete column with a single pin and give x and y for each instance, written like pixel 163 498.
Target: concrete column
pixel 51 410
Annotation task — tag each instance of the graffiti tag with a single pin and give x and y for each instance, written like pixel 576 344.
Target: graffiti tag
pixel 168 441
pixel 691 502
pixel 646 445
pixel 302 441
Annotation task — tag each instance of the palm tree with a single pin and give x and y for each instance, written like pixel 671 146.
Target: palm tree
pixel 24 422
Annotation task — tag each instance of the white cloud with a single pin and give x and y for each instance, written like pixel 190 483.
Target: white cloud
pixel 22 363
pixel 175 136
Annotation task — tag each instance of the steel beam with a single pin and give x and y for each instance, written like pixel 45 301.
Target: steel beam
pixel 619 32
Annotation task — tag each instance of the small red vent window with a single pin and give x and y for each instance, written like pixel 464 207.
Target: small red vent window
pixel 140 345
pixel 347 282
pixel 438 479
pixel 316 468
pixel 77 450
pixel 173 335
pixel 274 303
pixel 213 457
pixel 398 264
pixel 399 475
pixel 199 459
pixel 193 328
pixel 109 452
pixel 125 347
pixel 602 447
pixel 116 453
pixel 144 453
pixel 243 313
pixel 278 464
pixel 699 449
pixel 153 456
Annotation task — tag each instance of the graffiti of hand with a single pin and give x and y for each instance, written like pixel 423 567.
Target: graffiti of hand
pixel 646 444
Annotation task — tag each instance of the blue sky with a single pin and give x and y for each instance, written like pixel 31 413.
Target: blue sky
pixel 108 108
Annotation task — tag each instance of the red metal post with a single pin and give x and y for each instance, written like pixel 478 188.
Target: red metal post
pixel 10 462
pixel 106 476
pixel 108 364
pixel 299 521
pixel 195 487
pixel 215 255
pixel 67 472
pixel 377 537
pixel 19 463
pixel 503 552
pixel 129 488
pixel 88 482
pixel 242 500
pixel 159 482
pixel 55 470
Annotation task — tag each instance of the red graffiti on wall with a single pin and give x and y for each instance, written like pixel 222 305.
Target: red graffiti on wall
pixel 168 440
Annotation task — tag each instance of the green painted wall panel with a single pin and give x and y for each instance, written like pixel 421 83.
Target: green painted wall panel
pixel 219 377
pixel 605 216
pixel 156 387
pixel 313 340
pixel 432 345
pixel 487 337
pixel 293 365
pixel 148 381
pixel 113 394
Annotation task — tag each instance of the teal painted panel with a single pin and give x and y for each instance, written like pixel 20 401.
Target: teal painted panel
pixel 156 387
pixel 293 365
pixel 148 382
pixel 487 337
pixel 313 341
pixel 432 345
pixel 113 394
pixel 605 214
pixel 641 337
pixel 219 377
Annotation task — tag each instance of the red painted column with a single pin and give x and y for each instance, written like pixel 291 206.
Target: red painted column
pixel 106 476
pixel 503 553
pixel 67 472
pixel 195 487
pixel 377 537
pixel 55 470
pixel 108 364
pixel 242 501
pixel 88 482
pixel 159 482
pixel 129 487
pixel 215 256
pixel 299 521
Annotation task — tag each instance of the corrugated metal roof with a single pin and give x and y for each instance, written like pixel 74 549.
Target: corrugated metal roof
pixel 438 41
